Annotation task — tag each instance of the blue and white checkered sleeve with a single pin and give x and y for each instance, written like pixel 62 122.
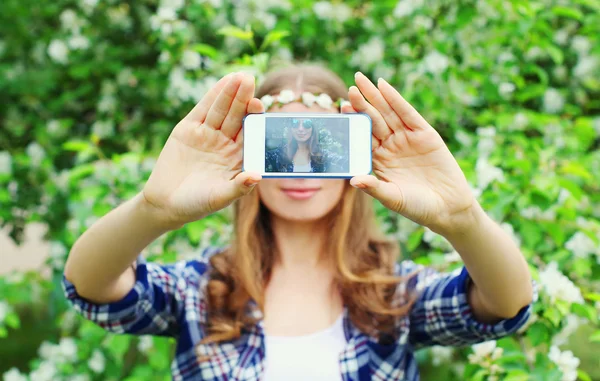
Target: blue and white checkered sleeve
pixel 153 306
pixel 442 315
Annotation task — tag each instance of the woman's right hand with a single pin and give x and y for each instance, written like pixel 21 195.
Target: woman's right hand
pixel 199 170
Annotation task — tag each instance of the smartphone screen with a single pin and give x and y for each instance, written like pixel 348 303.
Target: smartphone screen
pixel 307 145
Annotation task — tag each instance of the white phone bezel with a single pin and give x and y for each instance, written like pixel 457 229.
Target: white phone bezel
pixel 360 144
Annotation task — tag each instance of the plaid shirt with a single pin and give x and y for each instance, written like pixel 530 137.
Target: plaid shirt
pixel 168 301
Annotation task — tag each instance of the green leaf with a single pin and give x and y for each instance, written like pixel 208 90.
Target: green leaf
pixel 517 375
pixel 3 332
pixel 553 315
pixel 206 50
pixel 118 346
pixel 274 36
pixel 538 334
pixel 562 306
pixel 595 337
pixel 77 145
pixel 576 169
pixel 12 320
pixel 234 31
pixel 585 311
pixel 593 296
pixel 582 375
pixel 570 12
pixel 415 239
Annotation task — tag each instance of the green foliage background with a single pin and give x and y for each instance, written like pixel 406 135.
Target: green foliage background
pixel 89 91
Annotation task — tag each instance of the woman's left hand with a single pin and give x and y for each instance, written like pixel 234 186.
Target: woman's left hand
pixel 417 176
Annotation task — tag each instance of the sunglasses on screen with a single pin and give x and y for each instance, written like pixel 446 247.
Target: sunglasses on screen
pixel 306 123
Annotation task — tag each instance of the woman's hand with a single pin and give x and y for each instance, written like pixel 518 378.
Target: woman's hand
pixel 198 171
pixel 417 176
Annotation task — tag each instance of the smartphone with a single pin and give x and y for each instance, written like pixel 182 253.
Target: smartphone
pixel 307 144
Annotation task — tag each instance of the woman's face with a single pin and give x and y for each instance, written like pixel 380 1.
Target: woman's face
pixel 302 130
pixel 297 199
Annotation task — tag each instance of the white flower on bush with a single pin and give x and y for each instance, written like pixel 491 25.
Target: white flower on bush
pixel 436 240
pixel 80 377
pixel 103 128
pixel 553 101
pixel 586 66
pixel 14 375
pixel 70 21
pixel 423 22
pixel 5 163
pixel 68 349
pixel 172 4
pixel 58 254
pixel 5 309
pixel 45 372
pixel 506 88
pixel 324 101
pixel 407 7
pixel 436 62
pixel 88 6
pixel 58 51
pixel 77 42
pixel 573 322
pixel 325 10
pixel 191 60
pixel 485 351
pixel 581 45
pixel 369 53
pixel 452 257
pixel 581 245
pixel 487 173
pixel 566 362
pixel 286 96
pixel 535 213
pixel 145 344
pixel 558 286
pixel 36 153
pixel 163 15
pixel 441 355
pixel 97 362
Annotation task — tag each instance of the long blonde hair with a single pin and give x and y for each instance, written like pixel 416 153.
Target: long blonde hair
pixel 364 259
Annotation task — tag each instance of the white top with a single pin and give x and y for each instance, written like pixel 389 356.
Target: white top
pixel 312 357
pixel 302 167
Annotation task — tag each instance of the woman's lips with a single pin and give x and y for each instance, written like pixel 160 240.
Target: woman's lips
pixel 300 194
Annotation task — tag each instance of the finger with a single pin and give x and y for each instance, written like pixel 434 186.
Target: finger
pixel 198 113
pixel 233 121
pixel 411 117
pixel 244 182
pixel 380 129
pixel 255 106
pixel 240 185
pixel 348 109
pixel 219 109
pixel 387 193
pixel 373 95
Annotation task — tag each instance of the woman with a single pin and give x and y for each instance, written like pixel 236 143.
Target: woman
pixel 303 152
pixel 308 288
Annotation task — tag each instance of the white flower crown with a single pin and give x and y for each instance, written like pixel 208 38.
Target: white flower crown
pixel 288 96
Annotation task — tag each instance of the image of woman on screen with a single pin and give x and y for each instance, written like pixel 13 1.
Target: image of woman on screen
pixel 303 151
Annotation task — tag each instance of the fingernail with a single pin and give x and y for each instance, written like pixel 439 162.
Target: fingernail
pixel 251 182
pixel 357 74
pixel 360 185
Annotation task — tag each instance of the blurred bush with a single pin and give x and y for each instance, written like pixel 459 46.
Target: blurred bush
pixel 91 89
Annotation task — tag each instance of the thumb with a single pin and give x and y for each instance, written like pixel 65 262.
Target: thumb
pixel 242 184
pixel 387 193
